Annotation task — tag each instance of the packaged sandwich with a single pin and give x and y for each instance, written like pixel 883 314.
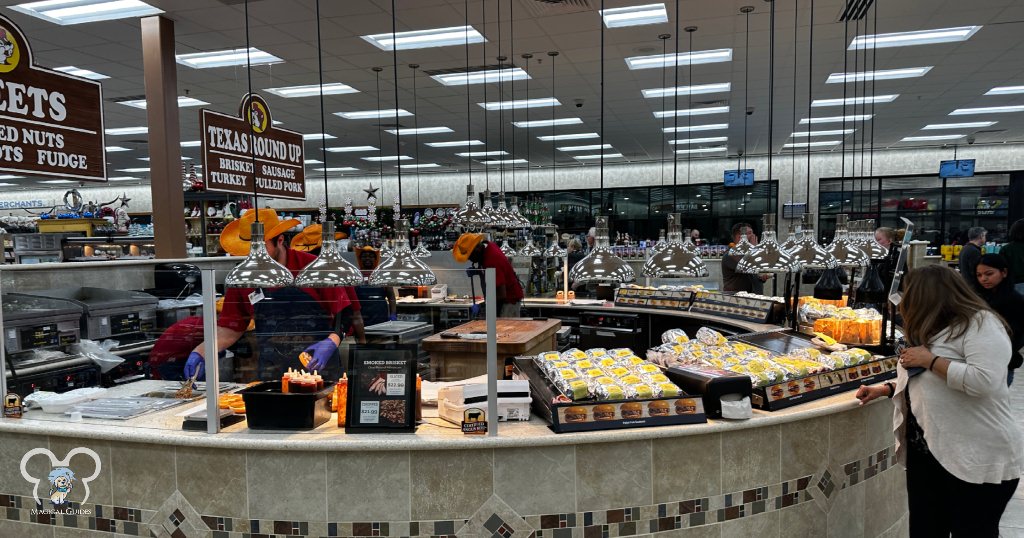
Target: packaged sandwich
pixel 677 336
pixel 710 337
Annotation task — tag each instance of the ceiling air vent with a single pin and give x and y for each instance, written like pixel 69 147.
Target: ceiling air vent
pixel 540 8
pixel 990 131
pixel 855 10
pixel 718 102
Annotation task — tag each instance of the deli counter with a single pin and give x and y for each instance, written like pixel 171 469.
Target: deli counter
pixel 643 454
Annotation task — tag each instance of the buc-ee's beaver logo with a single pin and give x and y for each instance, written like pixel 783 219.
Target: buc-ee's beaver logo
pixel 258 116
pixel 10 51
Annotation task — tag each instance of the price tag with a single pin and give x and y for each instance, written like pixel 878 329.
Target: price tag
pixel 256 297
pixel 369 412
pixel 396 384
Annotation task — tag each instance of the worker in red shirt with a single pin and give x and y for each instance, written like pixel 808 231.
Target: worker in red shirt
pixel 289 321
pixel 486 254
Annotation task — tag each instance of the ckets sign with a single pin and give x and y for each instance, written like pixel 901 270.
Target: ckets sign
pixel 51 123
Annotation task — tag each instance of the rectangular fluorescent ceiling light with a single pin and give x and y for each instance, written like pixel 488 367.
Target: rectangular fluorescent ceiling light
pixel 182 102
pixel 692 128
pixel 147 159
pixel 57 181
pixel 657 61
pixel 836 119
pixel 520 103
pixel 572 136
pixel 350 149
pixel 816 144
pixel 1005 90
pixel 337 169
pixel 79 72
pixel 931 138
pixel 590 147
pixel 455 143
pixel 317 136
pixel 8 176
pixel 706 140
pixel 964 125
pixel 422 39
pixel 226 58
pixel 505 161
pixel 191 144
pixel 634 15
pixel 312 161
pixel 987 109
pixel 482 153
pixel 122 131
pixel 597 156
pixel 66 12
pixel 691 112
pixel 123 178
pixel 8 184
pixel 833 132
pixel 482 77
pixel 135 170
pixel 424 165
pixel 421 130
pixel 388 158
pixel 860 100
pixel 702 150
pixel 918 37
pixel 547 123
pixel 309 90
pixel 372 114
pixel 882 74
pixel 688 90
pixel 115 149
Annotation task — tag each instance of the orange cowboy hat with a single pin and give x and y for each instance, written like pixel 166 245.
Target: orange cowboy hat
pixel 310 236
pixel 235 237
pixel 464 246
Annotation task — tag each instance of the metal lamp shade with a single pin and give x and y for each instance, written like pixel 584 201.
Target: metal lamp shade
pixel 421 251
pixel 530 249
pixel 742 247
pixel 676 259
pixel 495 219
pixel 402 268
pixel 843 249
pixel 470 216
pixel 519 221
pixel 601 264
pixel 554 251
pixel 791 240
pixel 330 269
pixel 869 244
pixel 807 253
pixel 508 250
pixel 259 269
pixel 768 256
pixel 662 244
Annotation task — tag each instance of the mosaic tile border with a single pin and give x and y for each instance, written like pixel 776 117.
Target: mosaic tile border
pixel 178 519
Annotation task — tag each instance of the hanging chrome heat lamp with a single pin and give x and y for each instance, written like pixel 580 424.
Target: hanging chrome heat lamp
pixel 675 260
pixel 768 256
pixel 259 269
pixel 843 249
pixel 601 264
pixel 807 252
pixel 402 268
pixel 661 244
pixel 470 217
pixel 330 269
pixel 791 239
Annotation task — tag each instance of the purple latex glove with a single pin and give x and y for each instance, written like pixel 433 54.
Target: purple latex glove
pixel 321 353
pixel 393 317
pixel 195 362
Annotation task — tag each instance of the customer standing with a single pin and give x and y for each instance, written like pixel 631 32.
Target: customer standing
pixel 885 237
pixel 954 431
pixel 733 281
pixel 995 285
pixel 1014 254
pixel 971 252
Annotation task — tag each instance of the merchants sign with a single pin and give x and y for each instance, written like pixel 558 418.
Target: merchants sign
pixel 51 123
pixel 238 151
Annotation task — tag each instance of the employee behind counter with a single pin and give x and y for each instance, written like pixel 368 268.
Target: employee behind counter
pixel 486 254
pixel 288 321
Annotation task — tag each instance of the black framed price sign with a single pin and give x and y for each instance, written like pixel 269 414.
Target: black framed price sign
pixel 381 393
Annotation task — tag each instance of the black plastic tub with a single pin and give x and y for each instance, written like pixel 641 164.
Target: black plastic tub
pixel 267 408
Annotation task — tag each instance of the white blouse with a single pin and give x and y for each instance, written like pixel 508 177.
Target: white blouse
pixel 966 418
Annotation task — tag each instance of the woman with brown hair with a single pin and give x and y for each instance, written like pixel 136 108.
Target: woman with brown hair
pixel 954 431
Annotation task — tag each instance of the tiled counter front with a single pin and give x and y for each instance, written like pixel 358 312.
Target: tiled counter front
pixel 833 475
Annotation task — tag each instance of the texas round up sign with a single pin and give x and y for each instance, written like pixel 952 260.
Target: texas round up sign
pixel 51 123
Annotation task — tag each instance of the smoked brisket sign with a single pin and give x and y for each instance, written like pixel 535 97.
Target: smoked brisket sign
pixel 240 150
pixel 51 123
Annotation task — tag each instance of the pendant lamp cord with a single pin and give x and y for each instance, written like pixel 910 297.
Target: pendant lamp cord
pixel 501 109
pixel 601 22
pixel 664 84
pixel 252 131
pixel 512 88
pixel 394 58
pixel 874 62
pixel 323 120
pixel 554 158
pixel 416 128
pixel 810 98
pixel 796 50
pixel 846 65
pixel 675 114
pixel 487 128
pixel 380 128
pixel 746 93
pixel 529 185
pixel 689 105
pixel 771 103
pixel 469 124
